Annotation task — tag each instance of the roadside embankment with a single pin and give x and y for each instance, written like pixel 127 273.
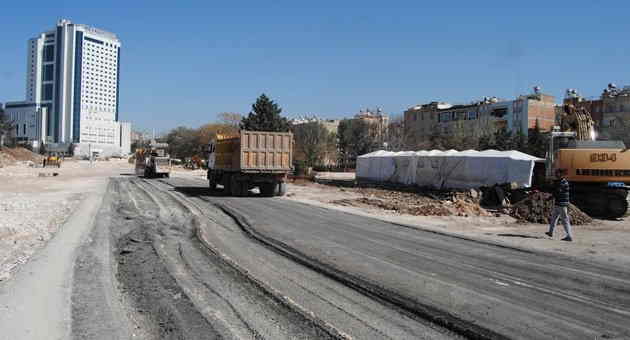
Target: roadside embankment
pixel 34 205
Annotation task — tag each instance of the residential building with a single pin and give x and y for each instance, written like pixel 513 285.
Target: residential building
pixel 73 71
pixel 610 111
pixel 477 119
pixel 376 118
pixel 330 124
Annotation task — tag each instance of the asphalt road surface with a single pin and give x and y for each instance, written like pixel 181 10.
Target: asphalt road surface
pixel 164 259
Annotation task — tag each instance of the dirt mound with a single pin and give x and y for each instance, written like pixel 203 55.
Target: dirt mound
pixel 417 204
pixel 538 206
pixel 9 156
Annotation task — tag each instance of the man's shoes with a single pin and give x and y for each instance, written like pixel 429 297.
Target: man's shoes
pixel 568 239
pixel 550 234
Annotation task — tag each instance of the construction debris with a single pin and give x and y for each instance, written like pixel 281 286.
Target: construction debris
pixel 429 203
pixel 537 208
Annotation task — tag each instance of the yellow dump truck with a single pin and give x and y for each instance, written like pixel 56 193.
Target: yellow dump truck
pixel 248 159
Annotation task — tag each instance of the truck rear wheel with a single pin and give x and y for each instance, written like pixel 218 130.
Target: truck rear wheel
pixel 268 189
pixel 235 187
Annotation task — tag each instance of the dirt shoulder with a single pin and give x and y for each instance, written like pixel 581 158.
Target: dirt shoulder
pixel 35 203
pixel 601 240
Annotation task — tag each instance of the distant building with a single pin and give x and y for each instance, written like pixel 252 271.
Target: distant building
pixel 478 119
pixel 610 111
pixel 378 119
pixel 30 121
pixel 73 76
pixel 125 138
pixel 330 124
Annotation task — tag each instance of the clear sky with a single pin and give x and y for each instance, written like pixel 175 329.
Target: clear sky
pixel 182 62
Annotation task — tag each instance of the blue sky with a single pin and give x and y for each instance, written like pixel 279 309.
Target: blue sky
pixel 182 62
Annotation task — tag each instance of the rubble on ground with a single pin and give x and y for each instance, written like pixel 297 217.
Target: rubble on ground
pixel 537 208
pixel 423 203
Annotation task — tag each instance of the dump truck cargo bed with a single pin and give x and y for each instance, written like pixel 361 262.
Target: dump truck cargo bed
pixel 255 151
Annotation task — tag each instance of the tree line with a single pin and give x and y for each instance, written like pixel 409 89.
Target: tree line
pixel 316 145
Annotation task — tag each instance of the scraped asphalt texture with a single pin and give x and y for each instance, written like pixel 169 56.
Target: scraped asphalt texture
pixel 495 290
pixel 184 264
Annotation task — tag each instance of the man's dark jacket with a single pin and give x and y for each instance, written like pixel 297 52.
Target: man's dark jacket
pixel 561 194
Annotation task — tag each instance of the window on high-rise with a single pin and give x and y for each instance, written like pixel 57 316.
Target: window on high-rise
pixel 49 53
pixel 47 91
pixel 48 72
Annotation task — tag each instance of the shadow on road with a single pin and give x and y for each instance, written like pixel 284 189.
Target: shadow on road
pixel 204 191
pixel 519 235
pixel 199 191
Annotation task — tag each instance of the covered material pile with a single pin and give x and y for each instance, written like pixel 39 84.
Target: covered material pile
pixel 447 169
pixel 537 208
pixel 418 204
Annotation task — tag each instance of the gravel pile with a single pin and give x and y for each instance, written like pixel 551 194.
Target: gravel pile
pixel 537 208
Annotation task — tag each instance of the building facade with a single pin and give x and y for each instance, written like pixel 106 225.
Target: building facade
pixel 610 111
pixel 30 121
pixel 422 122
pixel 73 71
pixel 377 119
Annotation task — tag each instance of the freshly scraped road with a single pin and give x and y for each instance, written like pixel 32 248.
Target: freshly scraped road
pixel 164 259
pixel 494 291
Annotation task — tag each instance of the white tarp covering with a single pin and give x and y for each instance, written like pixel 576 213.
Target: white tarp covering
pixel 448 169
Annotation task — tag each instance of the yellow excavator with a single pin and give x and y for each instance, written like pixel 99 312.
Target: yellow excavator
pixel 598 171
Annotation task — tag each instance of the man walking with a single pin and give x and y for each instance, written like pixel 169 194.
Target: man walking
pixel 561 206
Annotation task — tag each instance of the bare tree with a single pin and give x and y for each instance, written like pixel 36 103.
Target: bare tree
pixel 6 127
pixel 395 137
pixel 230 118
pixel 313 142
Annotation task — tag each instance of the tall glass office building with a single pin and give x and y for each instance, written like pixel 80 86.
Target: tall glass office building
pixel 73 71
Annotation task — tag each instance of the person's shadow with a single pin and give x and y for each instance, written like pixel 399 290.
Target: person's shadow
pixel 520 236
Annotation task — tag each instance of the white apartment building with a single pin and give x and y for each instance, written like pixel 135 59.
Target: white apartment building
pixel 73 71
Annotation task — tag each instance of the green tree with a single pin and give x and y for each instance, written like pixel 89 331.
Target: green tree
pixel 537 142
pixel 503 139
pixel 486 142
pixel 355 137
pixel 183 142
pixel 265 116
pixel 313 142
pixel 520 141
